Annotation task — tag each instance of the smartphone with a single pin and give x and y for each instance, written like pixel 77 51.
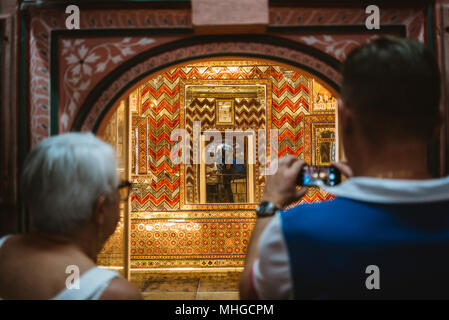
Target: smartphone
pixel 319 176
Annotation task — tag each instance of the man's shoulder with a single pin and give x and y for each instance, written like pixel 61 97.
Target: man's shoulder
pixel 337 214
pixel 324 208
pixel 344 217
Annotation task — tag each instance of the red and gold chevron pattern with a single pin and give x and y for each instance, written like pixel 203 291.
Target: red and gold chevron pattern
pixel 139 125
pixel 291 101
pixel 249 114
pixel 288 107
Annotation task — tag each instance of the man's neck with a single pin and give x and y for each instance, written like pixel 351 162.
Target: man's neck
pixel 391 173
pixel 406 161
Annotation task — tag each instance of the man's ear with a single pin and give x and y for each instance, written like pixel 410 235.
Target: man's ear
pixel 99 211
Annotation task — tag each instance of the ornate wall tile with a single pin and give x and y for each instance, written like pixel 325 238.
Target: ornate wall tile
pixel 190 243
pixel 43 21
pixel 84 62
pixel 413 18
pixel 108 96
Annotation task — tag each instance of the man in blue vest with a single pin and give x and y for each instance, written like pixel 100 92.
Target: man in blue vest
pixel 386 235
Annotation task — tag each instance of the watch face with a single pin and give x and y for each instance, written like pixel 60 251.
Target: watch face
pixel 266 209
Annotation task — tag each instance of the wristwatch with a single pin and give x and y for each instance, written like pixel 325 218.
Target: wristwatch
pixel 266 209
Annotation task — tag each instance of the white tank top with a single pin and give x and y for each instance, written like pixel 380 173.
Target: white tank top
pixel 92 283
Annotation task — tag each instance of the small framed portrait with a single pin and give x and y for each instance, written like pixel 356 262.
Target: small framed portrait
pixel 224 110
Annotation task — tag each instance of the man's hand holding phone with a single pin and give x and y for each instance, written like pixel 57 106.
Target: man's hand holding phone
pixel 280 187
pixel 344 168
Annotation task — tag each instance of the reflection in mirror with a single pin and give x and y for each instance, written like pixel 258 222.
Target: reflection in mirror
pixel 226 177
pixel 225 174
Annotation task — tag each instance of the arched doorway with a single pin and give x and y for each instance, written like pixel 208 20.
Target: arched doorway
pixel 175 218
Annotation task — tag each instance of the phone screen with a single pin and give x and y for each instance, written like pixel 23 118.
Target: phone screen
pixel 319 176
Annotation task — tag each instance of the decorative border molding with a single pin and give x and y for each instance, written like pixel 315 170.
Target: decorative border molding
pixel 224 206
pixel 39 22
pixel 105 95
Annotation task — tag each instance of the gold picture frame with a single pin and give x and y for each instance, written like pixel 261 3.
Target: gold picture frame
pixel 185 86
pixel 224 112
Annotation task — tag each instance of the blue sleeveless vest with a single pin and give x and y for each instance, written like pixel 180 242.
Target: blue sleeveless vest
pixel 331 244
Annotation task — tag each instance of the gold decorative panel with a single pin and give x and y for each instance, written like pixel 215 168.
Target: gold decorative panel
pixel 199 101
pixel 175 219
pixel 113 252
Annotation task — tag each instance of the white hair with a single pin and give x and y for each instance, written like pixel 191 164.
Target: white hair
pixel 62 178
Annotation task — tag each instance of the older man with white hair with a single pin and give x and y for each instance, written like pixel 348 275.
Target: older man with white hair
pixel 70 187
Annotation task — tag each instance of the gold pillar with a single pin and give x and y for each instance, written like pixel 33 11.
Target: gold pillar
pixel 250 175
pixel 203 198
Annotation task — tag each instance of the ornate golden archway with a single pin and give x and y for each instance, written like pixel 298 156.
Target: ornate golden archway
pixel 167 224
